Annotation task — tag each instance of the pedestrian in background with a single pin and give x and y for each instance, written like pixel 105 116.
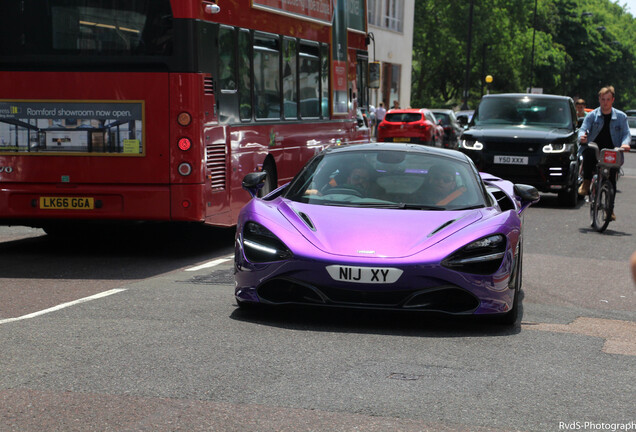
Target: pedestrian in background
pixel 380 112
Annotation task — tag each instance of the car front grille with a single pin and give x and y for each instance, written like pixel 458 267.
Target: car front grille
pixel 512 148
pixel 446 298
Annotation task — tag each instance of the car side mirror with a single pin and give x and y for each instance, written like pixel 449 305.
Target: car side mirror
pixel 253 182
pixel 528 194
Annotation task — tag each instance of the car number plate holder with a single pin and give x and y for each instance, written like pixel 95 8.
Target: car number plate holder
pixel 366 275
pixel 511 160
pixel 401 139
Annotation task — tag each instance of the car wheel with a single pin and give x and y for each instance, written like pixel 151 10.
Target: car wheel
pixel 511 317
pixel 270 181
pixel 569 197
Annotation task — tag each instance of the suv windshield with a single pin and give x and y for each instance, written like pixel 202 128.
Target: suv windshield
pixel 524 111
pixel 388 179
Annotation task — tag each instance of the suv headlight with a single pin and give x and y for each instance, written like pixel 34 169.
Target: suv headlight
pixel 469 144
pixel 483 256
pixel 261 245
pixel 557 148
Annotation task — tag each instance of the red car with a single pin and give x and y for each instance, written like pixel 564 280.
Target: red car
pixel 411 125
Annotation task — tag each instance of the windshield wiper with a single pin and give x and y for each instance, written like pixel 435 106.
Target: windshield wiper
pixel 470 207
pixel 412 206
pixel 402 206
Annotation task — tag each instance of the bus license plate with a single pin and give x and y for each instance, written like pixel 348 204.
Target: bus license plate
pixel 511 160
pixel 368 275
pixel 401 139
pixel 67 203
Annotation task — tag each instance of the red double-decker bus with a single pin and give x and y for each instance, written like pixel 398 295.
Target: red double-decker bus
pixel 154 110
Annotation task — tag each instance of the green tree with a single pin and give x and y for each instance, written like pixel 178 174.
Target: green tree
pixel 579 46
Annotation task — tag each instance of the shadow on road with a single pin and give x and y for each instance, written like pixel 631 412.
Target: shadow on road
pixel 401 323
pixel 114 252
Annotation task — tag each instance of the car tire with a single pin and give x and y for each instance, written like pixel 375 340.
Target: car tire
pixel 569 197
pixel 511 317
pixel 270 180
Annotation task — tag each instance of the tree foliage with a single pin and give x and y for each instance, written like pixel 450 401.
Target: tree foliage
pixel 571 47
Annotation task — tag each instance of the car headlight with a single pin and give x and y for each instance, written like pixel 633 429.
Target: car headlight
pixel 557 148
pixel 261 245
pixel 472 144
pixel 483 256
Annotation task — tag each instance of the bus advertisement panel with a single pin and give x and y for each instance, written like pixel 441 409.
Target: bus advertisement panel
pixel 78 127
pixel 155 110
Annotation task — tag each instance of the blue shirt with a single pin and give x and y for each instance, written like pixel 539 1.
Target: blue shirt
pixel 619 128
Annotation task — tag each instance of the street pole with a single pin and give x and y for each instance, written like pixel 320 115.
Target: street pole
pixel 534 31
pixel 470 36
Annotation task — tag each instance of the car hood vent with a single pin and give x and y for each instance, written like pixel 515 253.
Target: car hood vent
pixel 306 219
pixel 441 227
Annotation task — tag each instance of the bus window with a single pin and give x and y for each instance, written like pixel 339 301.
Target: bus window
pixel 139 27
pixel 324 76
pixel 290 93
pixel 266 77
pixel 227 64
pixel 309 80
pixel 245 75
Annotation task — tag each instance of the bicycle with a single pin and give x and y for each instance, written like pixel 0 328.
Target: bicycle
pixel 602 189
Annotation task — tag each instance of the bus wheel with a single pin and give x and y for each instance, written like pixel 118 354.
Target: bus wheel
pixel 271 181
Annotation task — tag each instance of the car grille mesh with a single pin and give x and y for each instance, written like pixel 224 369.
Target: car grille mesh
pixel 447 298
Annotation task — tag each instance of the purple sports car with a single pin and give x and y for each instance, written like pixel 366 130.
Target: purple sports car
pixel 385 226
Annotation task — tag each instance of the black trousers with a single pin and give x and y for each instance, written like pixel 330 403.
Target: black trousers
pixel 590 161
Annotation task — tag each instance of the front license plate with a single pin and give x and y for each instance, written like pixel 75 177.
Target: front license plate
pixel 511 160
pixel 67 203
pixel 367 275
pixel 401 139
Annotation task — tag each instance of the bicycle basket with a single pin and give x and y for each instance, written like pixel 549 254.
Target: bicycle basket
pixel 611 158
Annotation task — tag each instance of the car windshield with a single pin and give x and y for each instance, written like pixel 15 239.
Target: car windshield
pixel 524 111
pixel 632 122
pixel 403 117
pixel 388 179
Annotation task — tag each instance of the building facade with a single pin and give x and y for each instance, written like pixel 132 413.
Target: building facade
pixel 391 24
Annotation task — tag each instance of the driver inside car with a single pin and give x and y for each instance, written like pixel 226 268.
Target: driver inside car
pixel 359 180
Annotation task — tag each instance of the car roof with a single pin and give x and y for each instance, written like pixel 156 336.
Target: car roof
pixel 529 95
pixel 409 148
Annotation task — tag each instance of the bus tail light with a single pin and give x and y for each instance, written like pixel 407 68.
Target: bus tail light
pixel 185 144
pixel 185 169
pixel 184 119
pixel 185 204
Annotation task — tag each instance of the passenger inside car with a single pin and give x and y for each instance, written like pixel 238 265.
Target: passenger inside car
pixel 440 187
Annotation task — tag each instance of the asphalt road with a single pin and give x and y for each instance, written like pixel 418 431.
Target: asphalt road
pixel 127 332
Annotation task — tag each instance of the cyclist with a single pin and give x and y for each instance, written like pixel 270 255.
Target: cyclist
pixel 608 128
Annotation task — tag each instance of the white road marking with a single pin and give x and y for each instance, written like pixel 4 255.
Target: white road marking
pixel 63 305
pixel 208 264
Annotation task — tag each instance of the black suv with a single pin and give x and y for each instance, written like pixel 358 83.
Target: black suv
pixel 527 138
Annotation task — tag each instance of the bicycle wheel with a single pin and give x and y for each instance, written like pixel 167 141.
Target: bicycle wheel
pixel 601 206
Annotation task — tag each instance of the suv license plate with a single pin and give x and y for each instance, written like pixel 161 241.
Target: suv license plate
pixel 511 160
